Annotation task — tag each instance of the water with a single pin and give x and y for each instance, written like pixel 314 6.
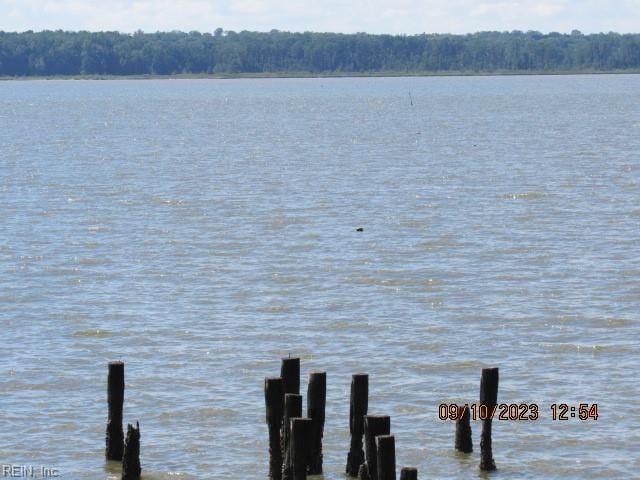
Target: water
pixel 202 229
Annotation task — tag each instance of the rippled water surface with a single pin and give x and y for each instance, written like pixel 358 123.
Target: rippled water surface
pixel 202 229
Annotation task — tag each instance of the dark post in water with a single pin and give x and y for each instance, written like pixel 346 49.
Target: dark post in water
pixel 464 443
pixel 292 409
pixel 488 397
pixel 131 469
pixel 363 472
pixel 115 400
pixel 316 403
pixel 374 425
pixel 408 473
pixel 357 410
pixel 274 399
pixel 300 444
pixel 386 457
pixel 290 373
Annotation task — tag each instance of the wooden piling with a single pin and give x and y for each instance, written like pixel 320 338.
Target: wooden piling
pixel 363 472
pixel 464 443
pixel 115 399
pixel 488 397
pixel 131 469
pixel 290 373
pixel 357 410
pixel 292 409
pixel 316 403
pixel 386 457
pixel 274 399
pixel 300 446
pixel 374 425
pixel 409 473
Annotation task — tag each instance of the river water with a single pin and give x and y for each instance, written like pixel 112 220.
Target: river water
pixel 200 230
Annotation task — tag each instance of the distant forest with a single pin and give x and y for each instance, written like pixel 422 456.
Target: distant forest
pixel 51 53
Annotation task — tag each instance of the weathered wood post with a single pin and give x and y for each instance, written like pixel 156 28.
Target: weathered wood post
pixel 290 373
pixel 274 399
pixel 409 473
pixel 292 409
pixel 357 410
pixel 131 469
pixel 463 431
pixel 316 404
pixel 386 457
pixel 363 472
pixel 300 446
pixel 115 399
pixel 374 425
pixel 488 397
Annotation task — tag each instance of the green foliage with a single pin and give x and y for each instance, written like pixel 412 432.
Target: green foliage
pixel 113 53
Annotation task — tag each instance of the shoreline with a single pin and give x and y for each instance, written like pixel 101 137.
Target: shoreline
pixel 281 75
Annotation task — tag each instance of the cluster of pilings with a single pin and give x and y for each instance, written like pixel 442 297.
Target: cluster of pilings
pixel 488 399
pixel 295 442
pixel 119 448
pixel 372 451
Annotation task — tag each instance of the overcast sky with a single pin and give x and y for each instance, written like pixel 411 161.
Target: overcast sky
pixel 373 16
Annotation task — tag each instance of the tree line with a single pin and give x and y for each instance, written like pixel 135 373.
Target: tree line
pixel 228 52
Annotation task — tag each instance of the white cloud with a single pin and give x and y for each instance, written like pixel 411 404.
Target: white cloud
pixel 375 16
pixel 530 9
pixel 521 15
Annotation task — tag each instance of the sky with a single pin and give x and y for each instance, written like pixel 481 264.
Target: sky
pixel 347 16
